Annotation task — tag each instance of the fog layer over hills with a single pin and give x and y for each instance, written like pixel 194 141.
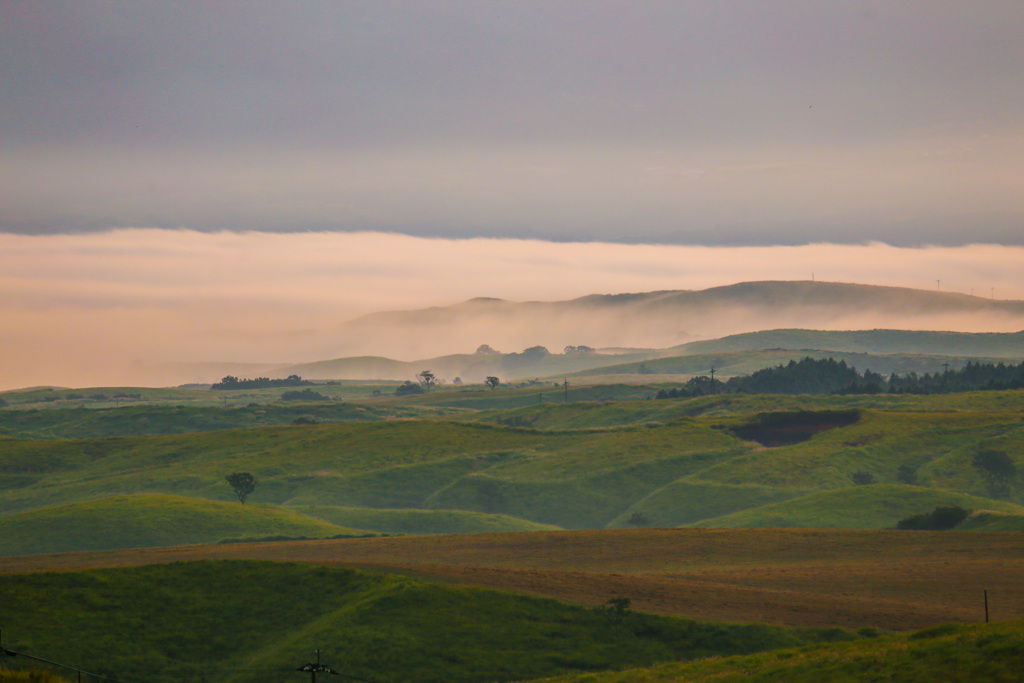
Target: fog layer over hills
pixel 670 318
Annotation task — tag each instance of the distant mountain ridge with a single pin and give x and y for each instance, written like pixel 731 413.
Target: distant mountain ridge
pixel 666 319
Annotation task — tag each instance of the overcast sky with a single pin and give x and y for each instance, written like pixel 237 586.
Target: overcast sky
pixel 778 122
pixel 188 181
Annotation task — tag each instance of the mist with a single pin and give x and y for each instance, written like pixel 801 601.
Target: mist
pixel 110 308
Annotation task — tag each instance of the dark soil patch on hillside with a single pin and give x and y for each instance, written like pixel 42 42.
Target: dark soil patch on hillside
pixel 786 428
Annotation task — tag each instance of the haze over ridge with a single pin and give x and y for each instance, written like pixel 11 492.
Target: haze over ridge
pixel 97 309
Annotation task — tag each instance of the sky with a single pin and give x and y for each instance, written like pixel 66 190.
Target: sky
pixel 190 181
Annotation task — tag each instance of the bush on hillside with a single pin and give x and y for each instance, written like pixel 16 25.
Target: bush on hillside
pixel 304 395
pixel 408 388
pixel 939 519
pixel 863 478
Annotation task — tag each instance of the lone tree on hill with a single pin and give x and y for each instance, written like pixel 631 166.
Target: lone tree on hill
pixel 492 382
pixel 244 483
pixel 427 379
pixel 998 468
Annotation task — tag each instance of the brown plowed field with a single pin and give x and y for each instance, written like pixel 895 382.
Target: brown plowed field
pixel 798 577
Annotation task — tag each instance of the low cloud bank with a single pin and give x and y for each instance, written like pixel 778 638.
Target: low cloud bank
pixel 104 308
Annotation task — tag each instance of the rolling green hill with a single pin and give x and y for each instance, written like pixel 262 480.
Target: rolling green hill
pixel 1006 345
pixel 562 478
pixel 876 506
pixel 677 462
pixel 146 520
pixel 258 621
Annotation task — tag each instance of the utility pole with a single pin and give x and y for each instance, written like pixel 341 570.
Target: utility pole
pixel 566 383
pixel 712 380
pixel 316 668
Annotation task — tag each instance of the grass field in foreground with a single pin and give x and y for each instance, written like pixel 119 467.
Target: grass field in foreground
pixel 256 621
pixel 802 577
pixel 993 653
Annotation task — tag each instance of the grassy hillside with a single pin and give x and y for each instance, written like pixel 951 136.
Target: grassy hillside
pixel 562 478
pixel 676 461
pixel 689 500
pixel 146 520
pixel 991 520
pixel 592 414
pixel 877 506
pixel 139 420
pixel 419 521
pixel 978 652
pixel 252 621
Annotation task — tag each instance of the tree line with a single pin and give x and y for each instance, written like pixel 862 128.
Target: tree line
pixel 829 376
pixel 232 382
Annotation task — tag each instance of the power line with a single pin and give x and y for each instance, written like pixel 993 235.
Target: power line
pixel 14 653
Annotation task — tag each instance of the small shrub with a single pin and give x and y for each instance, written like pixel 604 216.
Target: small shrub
pixel 615 610
pixel 408 388
pixel 905 474
pixel 863 478
pixel 639 519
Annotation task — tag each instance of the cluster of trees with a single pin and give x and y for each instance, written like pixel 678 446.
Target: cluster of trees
pixel 408 388
pixel 829 376
pixel 425 381
pixel 972 377
pixel 529 356
pixel 232 382
pixel 568 350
